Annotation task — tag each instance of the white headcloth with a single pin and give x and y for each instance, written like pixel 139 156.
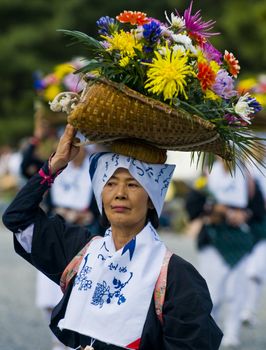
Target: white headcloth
pixel 154 178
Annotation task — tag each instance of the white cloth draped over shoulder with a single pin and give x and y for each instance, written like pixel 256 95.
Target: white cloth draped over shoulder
pixel 113 289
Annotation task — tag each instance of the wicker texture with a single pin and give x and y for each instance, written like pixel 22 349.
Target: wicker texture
pixel 108 111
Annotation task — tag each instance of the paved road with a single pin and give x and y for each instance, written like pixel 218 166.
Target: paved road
pixel 22 326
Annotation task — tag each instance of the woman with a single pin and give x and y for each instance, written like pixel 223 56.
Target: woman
pixel 226 241
pixel 110 304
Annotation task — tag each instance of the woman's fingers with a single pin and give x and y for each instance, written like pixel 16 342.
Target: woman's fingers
pixel 65 151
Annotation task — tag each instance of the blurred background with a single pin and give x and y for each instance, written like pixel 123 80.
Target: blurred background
pixel 29 42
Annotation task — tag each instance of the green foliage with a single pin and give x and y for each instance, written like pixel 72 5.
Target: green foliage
pixel 29 40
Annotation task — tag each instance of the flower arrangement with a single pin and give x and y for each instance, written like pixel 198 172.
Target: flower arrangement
pixel 62 78
pixel 174 62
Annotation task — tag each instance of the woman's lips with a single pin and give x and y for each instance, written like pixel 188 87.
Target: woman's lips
pixel 119 209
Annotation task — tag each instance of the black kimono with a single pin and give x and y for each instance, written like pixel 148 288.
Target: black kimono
pixel 187 323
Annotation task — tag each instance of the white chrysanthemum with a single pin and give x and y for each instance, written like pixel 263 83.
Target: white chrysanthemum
pixel 162 50
pixel 138 33
pixel 166 32
pixel 179 48
pixel 243 109
pixel 175 21
pixel 185 41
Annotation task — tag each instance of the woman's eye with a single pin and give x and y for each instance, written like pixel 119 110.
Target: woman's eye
pixel 133 184
pixel 110 184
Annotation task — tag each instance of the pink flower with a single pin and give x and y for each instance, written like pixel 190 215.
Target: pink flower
pixel 211 53
pixel 195 25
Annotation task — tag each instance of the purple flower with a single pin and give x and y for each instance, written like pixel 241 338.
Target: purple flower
pixel 147 49
pixel 196 25
pixel 211 53
pixel 231 119
pixel 73 82
pixel 152 32
pixel 104 24
pixel 224 85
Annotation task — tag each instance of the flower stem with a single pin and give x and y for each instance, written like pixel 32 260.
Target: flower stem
pixel 188 106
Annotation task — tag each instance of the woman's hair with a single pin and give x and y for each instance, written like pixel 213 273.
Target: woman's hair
pixel 152 216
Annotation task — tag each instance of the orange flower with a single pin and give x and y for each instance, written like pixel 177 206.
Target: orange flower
pixel 133 17
pixel 206 75
pixel 232 62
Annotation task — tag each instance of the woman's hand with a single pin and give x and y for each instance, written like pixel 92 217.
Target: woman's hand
pixel 65 151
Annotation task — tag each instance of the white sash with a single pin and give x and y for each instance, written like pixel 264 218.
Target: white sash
pixel 113 289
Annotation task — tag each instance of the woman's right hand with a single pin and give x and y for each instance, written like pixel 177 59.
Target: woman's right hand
pixel 65 150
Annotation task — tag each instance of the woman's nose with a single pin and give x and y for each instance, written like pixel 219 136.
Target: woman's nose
pixel 121 192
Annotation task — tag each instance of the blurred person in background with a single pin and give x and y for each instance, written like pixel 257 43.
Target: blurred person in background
pixel 256 271
pixel 224 242
pixel 10 176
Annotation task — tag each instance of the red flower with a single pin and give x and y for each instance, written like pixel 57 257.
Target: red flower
pixel 133 17
pixel 205 75
pixel 232 63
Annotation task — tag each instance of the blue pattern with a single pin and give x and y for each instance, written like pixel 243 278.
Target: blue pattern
pixel 81 278
pixel 130 246
pixel 166 183
pixel 94 162
pixel 105 293
pixel 160 174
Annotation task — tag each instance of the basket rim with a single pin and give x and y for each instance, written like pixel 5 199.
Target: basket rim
pixel 210 135
pixel 153 103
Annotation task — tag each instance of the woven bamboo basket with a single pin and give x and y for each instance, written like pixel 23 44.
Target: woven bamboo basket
pixel 139 126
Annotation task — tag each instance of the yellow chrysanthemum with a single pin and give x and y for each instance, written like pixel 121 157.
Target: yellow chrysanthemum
pixel 124 61
pixel 167 74
pixel 210 95
pixel 124 42
pixel 63 69
pixel 51 92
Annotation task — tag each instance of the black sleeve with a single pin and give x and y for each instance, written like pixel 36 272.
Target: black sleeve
pixel 187 321
pixel 54 242
pixel 24 208
pixel 30 163
pixel 256 205
pixel 194 204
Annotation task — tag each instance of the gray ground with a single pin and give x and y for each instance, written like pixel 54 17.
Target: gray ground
pixel 22 326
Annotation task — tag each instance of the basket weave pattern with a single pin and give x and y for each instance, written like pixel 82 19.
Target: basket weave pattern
pixel 109 112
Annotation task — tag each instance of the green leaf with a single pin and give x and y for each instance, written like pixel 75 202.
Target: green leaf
pixel 82 38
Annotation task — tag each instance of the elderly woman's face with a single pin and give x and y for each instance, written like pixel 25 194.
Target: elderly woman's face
pixel 125 201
